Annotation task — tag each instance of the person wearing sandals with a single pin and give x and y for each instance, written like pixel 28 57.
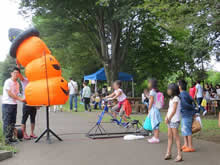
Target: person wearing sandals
pixel 172 120
pixel 27 111
pixel 187 112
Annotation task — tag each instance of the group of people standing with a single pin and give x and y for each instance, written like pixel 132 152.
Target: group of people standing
pixel 203 96
pixel 181 111
pixel 85 95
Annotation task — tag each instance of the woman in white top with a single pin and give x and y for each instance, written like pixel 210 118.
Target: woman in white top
pixel 172 120
pixel 121 98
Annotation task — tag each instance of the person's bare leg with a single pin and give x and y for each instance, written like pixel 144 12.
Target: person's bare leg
pixel 190 141
pixel 124 118
pixel 114 115
pixel 178 143
pixel 170 142
pixel 186 141
pixel 156 133
pixel 32 128
pixel 23 127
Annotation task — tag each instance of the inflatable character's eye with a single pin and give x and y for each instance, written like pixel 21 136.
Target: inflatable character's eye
pixel 65 91
pixel 56 66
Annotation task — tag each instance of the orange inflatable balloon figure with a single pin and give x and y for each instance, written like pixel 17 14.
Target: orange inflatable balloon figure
pixel 46 85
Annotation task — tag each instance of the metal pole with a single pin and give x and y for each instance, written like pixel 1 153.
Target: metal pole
pixel 132 88
pixel 95 86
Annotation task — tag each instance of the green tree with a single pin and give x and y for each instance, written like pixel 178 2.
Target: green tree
pixel 7 67
pixel 109 25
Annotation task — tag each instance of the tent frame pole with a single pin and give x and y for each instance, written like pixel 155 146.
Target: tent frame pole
pixel 132 88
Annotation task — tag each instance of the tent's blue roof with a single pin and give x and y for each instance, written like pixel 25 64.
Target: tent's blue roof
pixel 100 75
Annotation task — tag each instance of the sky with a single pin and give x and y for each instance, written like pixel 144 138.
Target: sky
pixel 11 19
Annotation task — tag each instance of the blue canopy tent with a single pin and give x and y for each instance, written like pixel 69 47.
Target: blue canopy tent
pixel 100 75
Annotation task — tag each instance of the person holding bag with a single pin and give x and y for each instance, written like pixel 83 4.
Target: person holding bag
pixel 187 113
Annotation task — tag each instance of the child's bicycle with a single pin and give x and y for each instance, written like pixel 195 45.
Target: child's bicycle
pixel 100 133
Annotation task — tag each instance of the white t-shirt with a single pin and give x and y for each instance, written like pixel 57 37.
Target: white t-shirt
pixel 199 91
pixel 121 97
pixel 73 87
pixel 218 92
pixel 24 83
pixel 12 86
pixel 177 116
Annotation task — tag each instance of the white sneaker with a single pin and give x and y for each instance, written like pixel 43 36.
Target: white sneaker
pixel 153 140
pixel 204 113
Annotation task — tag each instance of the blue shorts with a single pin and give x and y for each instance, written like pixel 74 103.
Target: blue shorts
pixel 186 126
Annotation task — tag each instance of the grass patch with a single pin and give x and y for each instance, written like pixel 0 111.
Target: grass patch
pixel 2 142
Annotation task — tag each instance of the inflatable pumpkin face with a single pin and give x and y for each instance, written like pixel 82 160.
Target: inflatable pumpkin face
pixel 42 69
pixel 37 69
pixel 58 92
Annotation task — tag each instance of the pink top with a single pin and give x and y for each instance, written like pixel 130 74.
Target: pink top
pixel 121 97
pixel 192 92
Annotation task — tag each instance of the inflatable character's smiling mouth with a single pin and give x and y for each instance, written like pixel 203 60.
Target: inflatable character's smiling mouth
pixel 56 66
pixel 66 92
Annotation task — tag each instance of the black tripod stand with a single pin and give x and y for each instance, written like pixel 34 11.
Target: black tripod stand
pixel 48 130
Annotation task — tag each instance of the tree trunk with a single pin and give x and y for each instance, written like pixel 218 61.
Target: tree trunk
pixel 111 71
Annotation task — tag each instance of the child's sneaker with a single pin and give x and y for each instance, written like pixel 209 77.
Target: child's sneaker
pixel 125 125
pixel 153 140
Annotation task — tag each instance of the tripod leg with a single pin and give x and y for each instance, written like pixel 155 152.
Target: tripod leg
pixel 41 136
pixel 55 135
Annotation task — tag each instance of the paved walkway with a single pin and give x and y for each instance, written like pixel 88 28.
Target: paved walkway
pixel 78 149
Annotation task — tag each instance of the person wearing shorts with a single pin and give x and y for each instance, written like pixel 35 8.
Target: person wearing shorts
pixel 121 98
pixel 173 121
pixel 187 112
pixel 27 111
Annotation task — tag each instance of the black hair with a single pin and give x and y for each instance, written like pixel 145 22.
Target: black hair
pixel 193 84
pixel 198 81
pixel 17 69
pixel 118 82
pixel 153 82
pixel 85 82
pixel 71 78
pixel 174 89
pixel 182 84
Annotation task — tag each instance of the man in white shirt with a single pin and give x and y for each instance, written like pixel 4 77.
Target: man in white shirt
pixel 9 105
pixel 73 92
pixel 199 97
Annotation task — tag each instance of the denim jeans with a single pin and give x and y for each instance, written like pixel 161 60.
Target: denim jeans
pixel 199 102
pixel 9 114
pixel 73 96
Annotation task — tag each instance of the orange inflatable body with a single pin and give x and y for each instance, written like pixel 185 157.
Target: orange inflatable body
pixel 41 68
pixel 37 69
pixel 58 91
